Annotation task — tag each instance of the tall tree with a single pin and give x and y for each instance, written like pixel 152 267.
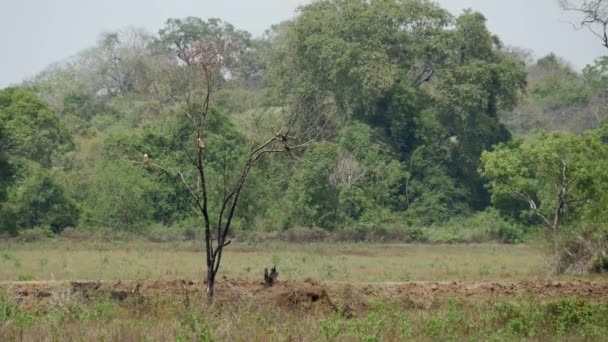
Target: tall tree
pixel 420 77
pixel 182 37
pixel 29 128
pixel 205 61
pixel 556 174
pixel 31 133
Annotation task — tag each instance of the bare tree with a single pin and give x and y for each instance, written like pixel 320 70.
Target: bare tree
pixel 593 16
pixel 207 66
pixel 348 171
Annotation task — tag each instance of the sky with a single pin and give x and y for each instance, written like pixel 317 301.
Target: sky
pixel 37 33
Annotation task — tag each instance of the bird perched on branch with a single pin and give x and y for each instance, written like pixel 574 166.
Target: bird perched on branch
pixel 200 143
pixel 281 136
pixel 146 159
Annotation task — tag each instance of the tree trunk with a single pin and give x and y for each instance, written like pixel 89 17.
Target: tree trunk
pixel 555 225
pixel 555 239
pixel 210 284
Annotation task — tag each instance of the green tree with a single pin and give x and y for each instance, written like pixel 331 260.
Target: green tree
pixel 313 199
pixel 184 36
pixel 29 128
pixel 559 98
pixel 418 76
pixel 558 175
pixel 350 180
pixel 39 201
pixel 119 197
pixel 29 132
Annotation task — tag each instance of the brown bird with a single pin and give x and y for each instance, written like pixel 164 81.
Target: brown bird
pixel 200 143
pixel 146 159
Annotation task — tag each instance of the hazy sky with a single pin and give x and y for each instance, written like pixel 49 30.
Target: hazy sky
pixel 36 33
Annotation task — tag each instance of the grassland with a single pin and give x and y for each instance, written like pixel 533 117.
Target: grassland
pixel 246 320
pixel 368 292
pixel 66 260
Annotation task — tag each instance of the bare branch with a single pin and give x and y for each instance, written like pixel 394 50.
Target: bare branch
pixel 188 154
pixel 534 207
pixel 594 16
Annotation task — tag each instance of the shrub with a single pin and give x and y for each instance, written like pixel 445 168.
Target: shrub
pixel 121 197
pixel 508 233
pixel 25 277
pixel 160 233
pixel 584 250
pixel 356 233
pixel 380 233
pixel 484 226
pixel 599 264
pixel 75 234
pixel 416 234
pixel 305 235
pixel 35 234
pixel 39 201
pixel 188 229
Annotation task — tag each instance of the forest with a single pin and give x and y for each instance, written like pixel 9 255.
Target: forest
pixel 415 125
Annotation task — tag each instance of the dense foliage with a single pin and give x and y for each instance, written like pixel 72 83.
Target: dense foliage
pixel 405 102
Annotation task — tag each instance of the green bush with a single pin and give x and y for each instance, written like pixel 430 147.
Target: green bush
pixel 25 277
pixel 160 233
pixel 380 233
pixel 40 200
pixel 508 233
pixel 416 234
pixel 484 226
pixel 600 264
pixel 35 234
pixel 582 249
pixel 120 197
pixel 304 235
pixel 356 233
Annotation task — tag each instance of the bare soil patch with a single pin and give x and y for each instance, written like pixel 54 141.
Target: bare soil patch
pixel 309 296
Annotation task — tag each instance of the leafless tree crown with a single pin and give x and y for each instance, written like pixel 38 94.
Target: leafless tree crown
pixel 593 16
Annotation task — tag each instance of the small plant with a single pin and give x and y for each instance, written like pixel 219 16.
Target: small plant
pixel 409 277
pixel 331 328
pixel 347 292
pixel 195 326
pixel 6 256
pixel 25 277
pixel 8 309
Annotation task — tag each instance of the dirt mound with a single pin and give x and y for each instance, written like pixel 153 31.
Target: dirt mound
pixel 307 296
